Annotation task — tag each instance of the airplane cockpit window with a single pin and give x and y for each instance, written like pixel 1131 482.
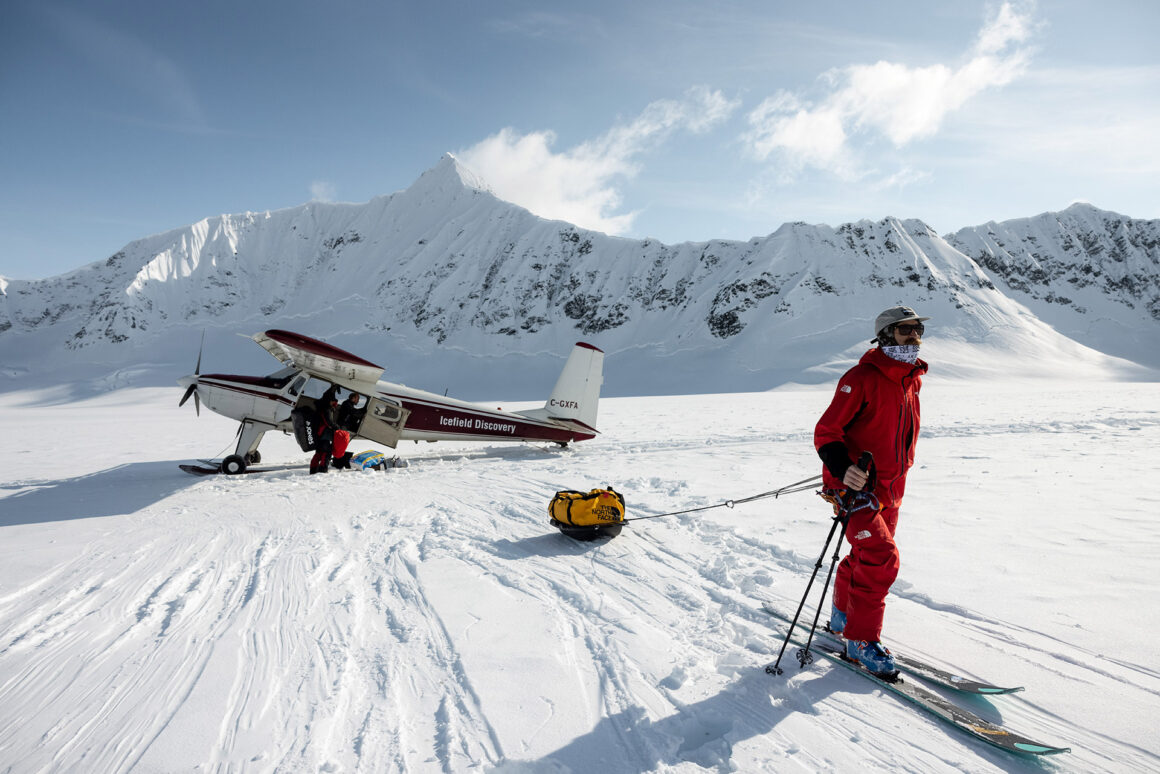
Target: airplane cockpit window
pixel 297 386
pixel 316 387
pixel 388 412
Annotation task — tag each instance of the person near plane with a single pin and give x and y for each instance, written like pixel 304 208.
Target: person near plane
pixel 875 409
pixel 350 416
pixel 326 411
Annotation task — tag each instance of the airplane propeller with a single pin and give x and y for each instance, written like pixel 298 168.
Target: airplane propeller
pixel 192 389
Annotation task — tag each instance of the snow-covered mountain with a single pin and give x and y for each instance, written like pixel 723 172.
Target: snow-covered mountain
pixel 1068 266
pixel 446 267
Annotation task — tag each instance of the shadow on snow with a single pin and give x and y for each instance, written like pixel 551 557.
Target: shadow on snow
pixel 115 491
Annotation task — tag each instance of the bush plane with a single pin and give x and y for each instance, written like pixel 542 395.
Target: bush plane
pixel 393 412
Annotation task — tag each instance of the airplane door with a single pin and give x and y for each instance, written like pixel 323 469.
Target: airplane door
pixel 383 422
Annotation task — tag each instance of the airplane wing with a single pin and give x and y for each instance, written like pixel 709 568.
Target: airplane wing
pixel 320 359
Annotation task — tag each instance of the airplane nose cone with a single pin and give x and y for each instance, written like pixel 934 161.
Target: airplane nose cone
pixel 187 381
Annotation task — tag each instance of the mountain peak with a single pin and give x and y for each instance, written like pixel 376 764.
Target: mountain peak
pixel 1086 211
pixel 447 176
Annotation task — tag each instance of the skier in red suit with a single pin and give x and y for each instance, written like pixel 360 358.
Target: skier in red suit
pixel 875 408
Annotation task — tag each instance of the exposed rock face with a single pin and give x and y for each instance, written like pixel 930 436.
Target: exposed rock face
pixel 1080 253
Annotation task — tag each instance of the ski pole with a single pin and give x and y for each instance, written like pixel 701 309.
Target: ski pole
pixel 864 463
pixel 775 668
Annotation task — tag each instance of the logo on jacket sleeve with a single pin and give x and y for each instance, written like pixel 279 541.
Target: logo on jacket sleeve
pixel 846 388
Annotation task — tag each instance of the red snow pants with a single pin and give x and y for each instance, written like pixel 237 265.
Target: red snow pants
pixel 865 575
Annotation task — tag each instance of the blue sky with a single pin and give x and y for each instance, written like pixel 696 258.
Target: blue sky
pixel 655 118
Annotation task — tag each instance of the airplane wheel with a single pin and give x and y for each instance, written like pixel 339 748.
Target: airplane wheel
pixel 254 457
pixel 233 465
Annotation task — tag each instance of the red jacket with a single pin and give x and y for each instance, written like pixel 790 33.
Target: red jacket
pixel 875 408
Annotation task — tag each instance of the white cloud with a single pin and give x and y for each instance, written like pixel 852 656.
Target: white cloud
pixel 816 137
pixel 579 185
pixel 1008 26
pixel 322 191
pixel 886 99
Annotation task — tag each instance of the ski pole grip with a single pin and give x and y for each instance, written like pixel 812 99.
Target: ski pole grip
pixel 865 463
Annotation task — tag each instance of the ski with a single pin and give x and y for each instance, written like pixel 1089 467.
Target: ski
pixel 966 721
pixel 200 470
pixel 908 664
pixel 206 470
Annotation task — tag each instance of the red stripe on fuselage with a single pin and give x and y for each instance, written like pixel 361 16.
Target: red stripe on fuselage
pixel 256 381
pixel 458 421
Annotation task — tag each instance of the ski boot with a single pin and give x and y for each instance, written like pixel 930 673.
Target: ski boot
pixel 837 621
pixel 877 660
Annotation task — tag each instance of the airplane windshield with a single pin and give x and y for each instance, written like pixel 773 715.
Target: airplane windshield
pixel 279 379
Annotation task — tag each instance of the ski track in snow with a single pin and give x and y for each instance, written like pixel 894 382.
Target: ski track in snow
pixel 429 619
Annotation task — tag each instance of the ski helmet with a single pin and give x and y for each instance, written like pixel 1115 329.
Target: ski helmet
pixel 890 318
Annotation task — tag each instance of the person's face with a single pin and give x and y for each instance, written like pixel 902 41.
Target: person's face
pixel 908 333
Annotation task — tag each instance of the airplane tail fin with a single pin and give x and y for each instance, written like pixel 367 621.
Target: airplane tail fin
pixel 577 391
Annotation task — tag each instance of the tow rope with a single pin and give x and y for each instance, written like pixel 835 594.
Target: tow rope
pixel 798 486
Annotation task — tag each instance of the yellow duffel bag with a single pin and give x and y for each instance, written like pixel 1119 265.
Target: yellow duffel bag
pixel 587 515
